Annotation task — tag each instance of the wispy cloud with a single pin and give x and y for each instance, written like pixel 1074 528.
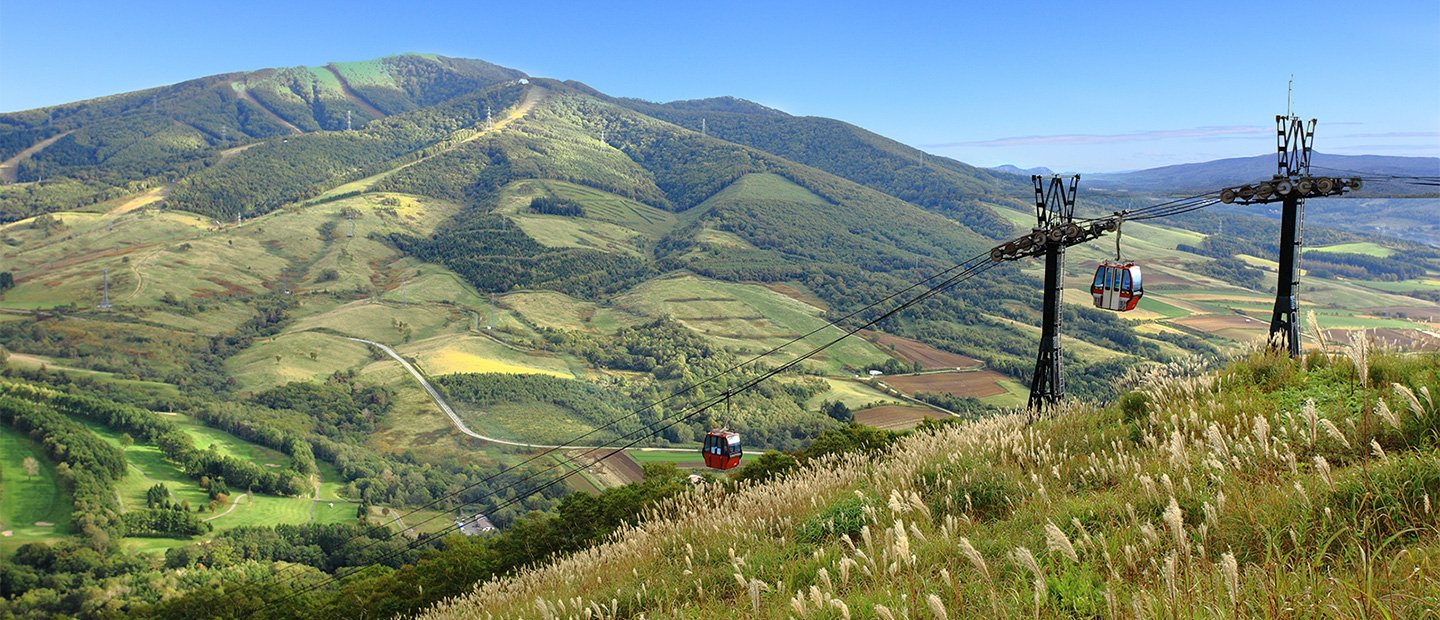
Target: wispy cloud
pixel 1112 138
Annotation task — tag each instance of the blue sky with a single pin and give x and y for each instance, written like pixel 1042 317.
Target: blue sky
pixel 1074 86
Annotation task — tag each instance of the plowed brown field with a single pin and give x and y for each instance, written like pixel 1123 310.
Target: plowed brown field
pixel 975 384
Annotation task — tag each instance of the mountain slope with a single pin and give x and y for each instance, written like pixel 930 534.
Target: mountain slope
pixel 955 189
pixel 1185 496
pixel 155 135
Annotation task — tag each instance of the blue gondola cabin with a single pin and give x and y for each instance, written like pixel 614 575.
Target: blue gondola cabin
pixel 1117 286
pixel 721 449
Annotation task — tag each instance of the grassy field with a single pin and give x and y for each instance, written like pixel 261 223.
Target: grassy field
pixel 747 318
pixel 529 422
pixel 1368 248
pixel 1170 311
pixel 555 310
pixel 26 503
pixel 854 394
pixel 257 368
pixel 611 223
pixel 453 354
pixel 1016 395
pixel 148 466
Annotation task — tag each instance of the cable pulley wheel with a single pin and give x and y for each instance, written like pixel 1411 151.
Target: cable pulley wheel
pixel 1227 196
pixel 1324 185
pixel 1284 187
pixel 1356 183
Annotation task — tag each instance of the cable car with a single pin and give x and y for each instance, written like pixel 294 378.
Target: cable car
pixel 721 449
pixel 1117 286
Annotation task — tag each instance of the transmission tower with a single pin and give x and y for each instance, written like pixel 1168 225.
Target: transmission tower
pixel 348 126
pixel 105 297
pixel 489 123
pixel 704 130
pixel 1290 186
pixel 1054 210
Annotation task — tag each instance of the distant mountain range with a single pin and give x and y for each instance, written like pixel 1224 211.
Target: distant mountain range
pixel 1224 172
pixel 1013 169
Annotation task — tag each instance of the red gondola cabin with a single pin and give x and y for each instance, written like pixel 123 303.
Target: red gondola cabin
pixel 721 449
pixel 1117 286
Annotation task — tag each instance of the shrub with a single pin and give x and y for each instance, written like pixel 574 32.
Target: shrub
pixel 844 517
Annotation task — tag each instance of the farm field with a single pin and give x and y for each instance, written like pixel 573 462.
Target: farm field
pixel 896 417
pixel 683 460
pixel 529 422
pixel 555 310
pixel 479 354
pixel 32 509
pixel 1368 248
pixel 973 384
pixel 854 394
pixel 918 352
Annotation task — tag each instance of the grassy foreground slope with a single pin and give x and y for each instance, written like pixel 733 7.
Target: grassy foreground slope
pixel 1262 489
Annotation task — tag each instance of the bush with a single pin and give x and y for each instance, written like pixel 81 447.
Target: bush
pixel 1135 406
pixel 984 494
pixel 556 206
pixel 844 517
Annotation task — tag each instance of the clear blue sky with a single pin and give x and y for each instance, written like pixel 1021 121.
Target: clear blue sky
pixel 1075 86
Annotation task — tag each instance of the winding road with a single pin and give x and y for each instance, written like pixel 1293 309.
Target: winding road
pixel 460 425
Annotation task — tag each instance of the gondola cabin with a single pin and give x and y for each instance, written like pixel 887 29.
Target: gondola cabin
pixel 721 449
pixel 1117 286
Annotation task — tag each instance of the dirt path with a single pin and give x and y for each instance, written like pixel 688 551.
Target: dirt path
pixel 460 425
pixel 149 197
pixel 533 97
pixel 229 510
pixel 352 96
pixel 228 153
pixel 135 266
pixel 245 94
pixel 10 168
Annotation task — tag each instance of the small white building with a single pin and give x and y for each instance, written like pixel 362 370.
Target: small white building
pixel 475 526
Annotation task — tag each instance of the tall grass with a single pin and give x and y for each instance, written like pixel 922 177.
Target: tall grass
pixel 1250 491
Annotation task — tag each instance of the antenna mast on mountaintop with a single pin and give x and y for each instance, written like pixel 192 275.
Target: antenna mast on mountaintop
pixel 1290 97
